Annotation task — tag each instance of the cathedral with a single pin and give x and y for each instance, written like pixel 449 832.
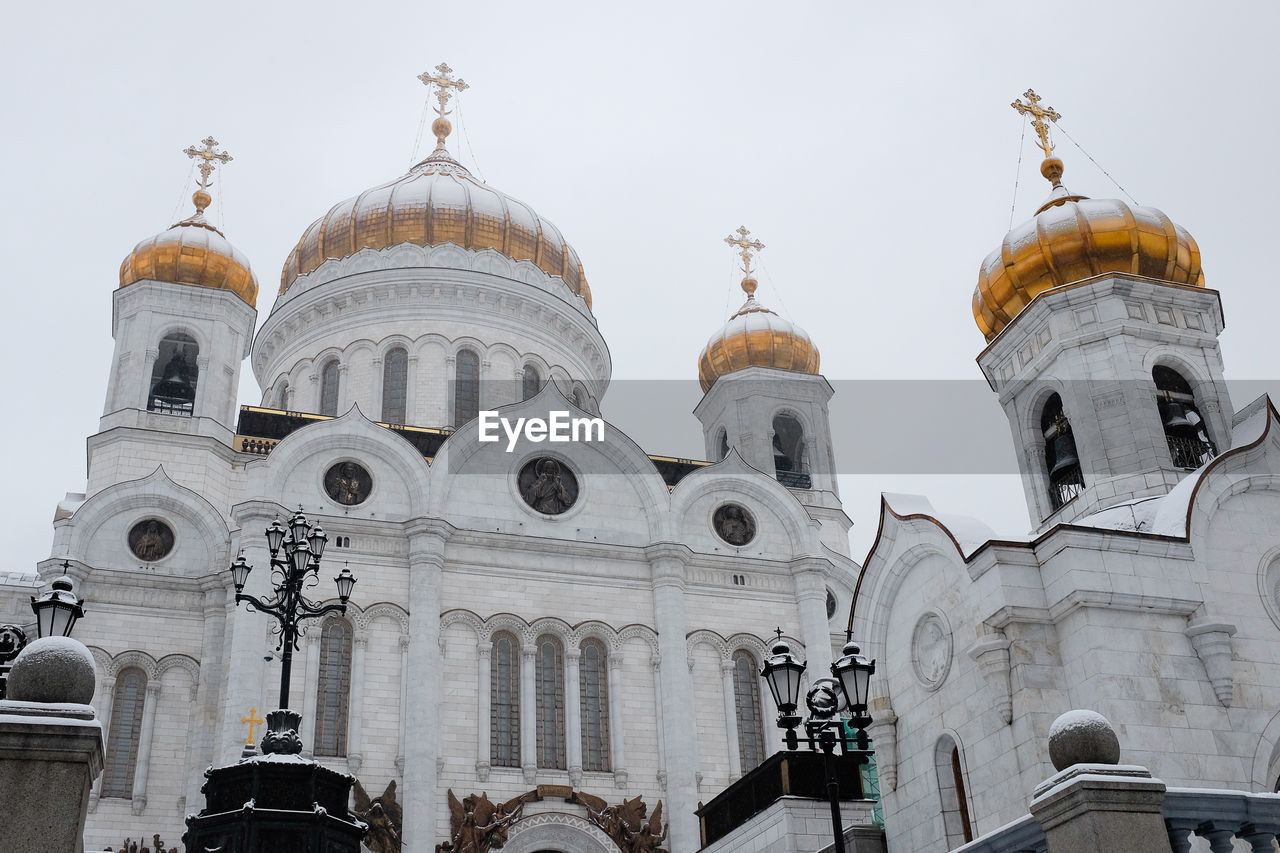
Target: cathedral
pixel 561 610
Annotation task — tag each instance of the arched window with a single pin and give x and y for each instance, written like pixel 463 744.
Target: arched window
pixel 722 449
pixel 951 788
pixel 282 397
pixel 395 385
pixel 333 693
pixel 549 678
pixel 466 387
pixel 126 727
pixel 1184 428
pixel 593 691
pixel 789 452
pixel 174 377
pixel 329 388
pixel 531 384
pixel 746 697
pixel 1062 462
pixel 504 701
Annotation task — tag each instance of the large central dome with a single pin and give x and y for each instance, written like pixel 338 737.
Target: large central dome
pixel 437 201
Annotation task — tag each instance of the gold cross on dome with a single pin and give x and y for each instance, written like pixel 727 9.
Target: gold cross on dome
pixel 1038 115
pixel 253 720
pixel 208 156
pixel 747 246
pixel 443 83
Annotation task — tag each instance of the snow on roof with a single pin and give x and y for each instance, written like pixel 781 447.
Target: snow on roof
pixel 969 533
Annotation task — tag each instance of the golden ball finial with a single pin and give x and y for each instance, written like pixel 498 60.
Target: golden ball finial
pixel 441 127
pixel 202 200
pixel 749 286
pixel 1052 169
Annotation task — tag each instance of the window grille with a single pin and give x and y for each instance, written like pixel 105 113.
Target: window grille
pixel 466 401
pixel 329 389
pixel 549 677
pixel 746 696
pixel 126 728
pixel 593 688
pixel 333 693
pixel 504 702
pixel 395 385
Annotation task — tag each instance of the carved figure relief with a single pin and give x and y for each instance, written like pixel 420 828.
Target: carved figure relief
pixel 734 524
pixel 931 650
pixel 151 540
pixel 348 483
pixel 131 846
pixel 384 816
pixel 625 823
pixel 477 825
pixel 547 485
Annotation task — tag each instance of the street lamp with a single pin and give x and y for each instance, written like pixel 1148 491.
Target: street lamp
pixel 58 609
pixel 824 730
pixel 298 567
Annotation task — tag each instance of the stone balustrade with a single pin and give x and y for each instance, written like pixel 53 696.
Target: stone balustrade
pixel 1219 817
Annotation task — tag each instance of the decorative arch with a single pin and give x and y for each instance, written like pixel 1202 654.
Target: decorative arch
pixel 953 790
pixel 557 831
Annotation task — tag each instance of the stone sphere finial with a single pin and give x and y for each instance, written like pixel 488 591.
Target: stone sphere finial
pixel 53 669
pixel 1082 737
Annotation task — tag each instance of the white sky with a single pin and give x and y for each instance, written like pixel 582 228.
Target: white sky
pixel 870 146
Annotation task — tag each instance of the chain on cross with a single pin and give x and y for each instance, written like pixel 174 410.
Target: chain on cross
pixel 209 155
pixel 1038 115
pixel 747 246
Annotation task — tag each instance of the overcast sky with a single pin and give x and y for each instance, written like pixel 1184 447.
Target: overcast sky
pixel 871 147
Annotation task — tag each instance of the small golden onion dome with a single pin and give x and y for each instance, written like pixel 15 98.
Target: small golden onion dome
pixel 1072 238
pixel 438 201
pixel 192 252
pixel 756 337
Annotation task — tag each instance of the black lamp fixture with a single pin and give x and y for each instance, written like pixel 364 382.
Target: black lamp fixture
pixel 58 609
pixel 824 730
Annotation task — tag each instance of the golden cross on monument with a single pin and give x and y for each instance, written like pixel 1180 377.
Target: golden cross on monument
pixel 253 720
pixel 1038 115
pixel 747 247
pixel 441 127
pixel 208 156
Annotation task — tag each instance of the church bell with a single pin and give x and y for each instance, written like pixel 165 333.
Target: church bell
pixel 1174 417
pixel 1064 454
pixel 174 389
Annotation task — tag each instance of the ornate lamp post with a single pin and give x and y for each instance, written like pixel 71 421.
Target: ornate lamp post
pixel 56 613
pixel 297 568
pixel 823 730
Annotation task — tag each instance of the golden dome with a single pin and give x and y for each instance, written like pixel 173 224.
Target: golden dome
pixel 192 252
pixel 756 337
pixel 1072 238
pixel 437 201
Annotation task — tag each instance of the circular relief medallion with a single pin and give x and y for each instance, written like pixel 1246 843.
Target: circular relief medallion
pixel 547 485
pixel 931 650
pixel 734 524
pixel 151 540
pixel 348 483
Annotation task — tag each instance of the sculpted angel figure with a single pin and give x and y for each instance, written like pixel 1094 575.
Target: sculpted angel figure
pixel 626 825
pixel 478 825
pixel 384 816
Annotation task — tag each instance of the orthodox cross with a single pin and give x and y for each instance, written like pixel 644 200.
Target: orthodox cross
pixel 1038 115
pixel 747 247
pixel 208 156
pixel 443 83
pixel 252 720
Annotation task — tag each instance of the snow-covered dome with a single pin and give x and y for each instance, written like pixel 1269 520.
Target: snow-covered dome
pixel 438 201
pixel 1072 238
pixel 756 337
pixel 192 252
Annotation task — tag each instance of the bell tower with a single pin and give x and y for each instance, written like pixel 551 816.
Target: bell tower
pixel 765 400
pixel 183 320
pixel 1103 348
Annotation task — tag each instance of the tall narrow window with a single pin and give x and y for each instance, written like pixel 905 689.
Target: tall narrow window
pixel 531 383
pixel 282 399
pixel 126 727
pixel 1184 428
pixel 1062 462
pixel 789 453
pixel 395 385
pixel 174 378
pixel 549 675
pixel 746 697
pixel 951 788
pixel 466 387
pixel 333 694
pixel 593 688
pixel 722 449
pixel 329 388
pixel 504 701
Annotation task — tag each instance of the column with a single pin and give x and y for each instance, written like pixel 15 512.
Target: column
pixel 528 712
pixel 106 700
pixel 617 725
pixel 731 718
pixel 355 703
pixel 310 684
pixel 680 743
pixel 427 540
pixel 148 367
pixel 655 664
pixel 811 601
pixel 245 636
pixel 404 690
pixel 143 764
pixel 484 648
pixel 204 715
pixel 345 393
pixel 573 713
